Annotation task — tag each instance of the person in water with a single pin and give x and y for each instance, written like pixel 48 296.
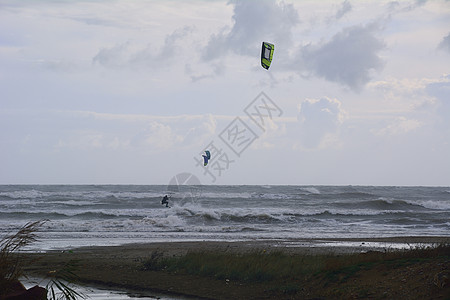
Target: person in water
pixel 165 200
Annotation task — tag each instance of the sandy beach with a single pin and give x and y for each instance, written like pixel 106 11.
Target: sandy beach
pixel 123 267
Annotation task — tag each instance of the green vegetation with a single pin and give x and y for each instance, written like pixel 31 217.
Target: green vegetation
pixel 60 284
pixel 10 263
pixel 262 266
pixel 250 267
pixel 11 266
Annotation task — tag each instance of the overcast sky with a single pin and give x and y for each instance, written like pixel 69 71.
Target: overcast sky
pixel 132 92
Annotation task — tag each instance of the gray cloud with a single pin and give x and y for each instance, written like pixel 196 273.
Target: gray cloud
pixel 123 55
pixel 395 7
pixel 96 21
pixel 112 57
pixel 344 9
pixel 254 21
pixel 441 91
pixel 348 58
pixel 445 44
pixel 216 70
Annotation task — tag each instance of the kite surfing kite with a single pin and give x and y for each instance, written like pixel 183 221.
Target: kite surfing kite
pixel 206 157
pixel 266 54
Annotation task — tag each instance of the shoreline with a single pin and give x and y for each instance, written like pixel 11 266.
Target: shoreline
pixel 352 243
pixel 300 246
pixel 397 242
pixel 121 267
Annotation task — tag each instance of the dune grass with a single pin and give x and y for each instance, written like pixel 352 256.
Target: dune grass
pixel 250 267
pixel 11 265
pixel 262 266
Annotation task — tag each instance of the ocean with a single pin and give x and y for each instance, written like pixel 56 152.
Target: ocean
pixel 101 215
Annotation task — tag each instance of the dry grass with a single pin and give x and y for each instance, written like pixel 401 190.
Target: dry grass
pixel 214 272
pixel 278 266
pixel 10 263
pixel 11 268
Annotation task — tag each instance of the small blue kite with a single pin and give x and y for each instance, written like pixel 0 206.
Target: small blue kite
pixel 206 157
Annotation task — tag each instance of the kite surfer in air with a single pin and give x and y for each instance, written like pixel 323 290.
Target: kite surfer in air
pixel 206 157
pixel 165 200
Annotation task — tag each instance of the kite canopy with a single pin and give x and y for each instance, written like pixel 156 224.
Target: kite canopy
pixel 266 54
pixel 206 157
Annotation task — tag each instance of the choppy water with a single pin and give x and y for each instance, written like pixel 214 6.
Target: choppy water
pixel 81 215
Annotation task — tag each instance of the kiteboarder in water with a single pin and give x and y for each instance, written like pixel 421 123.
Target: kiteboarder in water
pixel 165 200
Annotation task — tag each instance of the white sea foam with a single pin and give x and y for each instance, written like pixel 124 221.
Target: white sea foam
pixel 439 205
pixel 311 190
pixel 228 212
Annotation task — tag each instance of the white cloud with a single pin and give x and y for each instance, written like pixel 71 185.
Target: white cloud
pixel 81 140
pixel 405 94
pixel 156 137
pixel 91 131
pixel 151 133
pixel 200 131
pixel 320 121
pixel 274 131
pixel 412 94
pixel 400 126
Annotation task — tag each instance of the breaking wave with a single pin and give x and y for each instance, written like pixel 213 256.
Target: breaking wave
pixel 239 211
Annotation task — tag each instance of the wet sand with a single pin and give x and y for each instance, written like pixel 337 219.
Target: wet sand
pixel 121 266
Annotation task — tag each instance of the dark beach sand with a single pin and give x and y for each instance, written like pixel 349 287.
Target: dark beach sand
pixel 122 267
